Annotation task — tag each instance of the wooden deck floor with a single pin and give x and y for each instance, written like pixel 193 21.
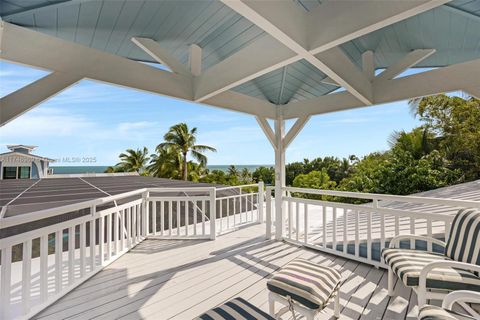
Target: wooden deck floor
pixel 180 279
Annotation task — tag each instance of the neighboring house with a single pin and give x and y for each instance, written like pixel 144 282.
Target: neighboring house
pixel 20 163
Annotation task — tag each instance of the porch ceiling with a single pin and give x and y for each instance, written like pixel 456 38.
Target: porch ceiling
pixel 228 29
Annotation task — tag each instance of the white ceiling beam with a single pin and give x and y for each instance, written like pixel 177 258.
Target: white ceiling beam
pixel 331 24
pixel 195 60
pixel 338 67
pixel 17 103
pixel 243 66
pixel 410 60
pixel 162 56
pixel 267 129
pixel 368 65
pixel 285 21
pixel 294 131
pixel 335 22
pixel 235 101
pixel 28 47
pixel 462 76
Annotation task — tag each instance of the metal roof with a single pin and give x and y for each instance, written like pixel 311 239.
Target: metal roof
pixel 452 29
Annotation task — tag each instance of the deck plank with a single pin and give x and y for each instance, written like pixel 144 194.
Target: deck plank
pixel 180 279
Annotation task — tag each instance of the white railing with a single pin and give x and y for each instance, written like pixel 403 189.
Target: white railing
pixel 40 266
pixel 361 231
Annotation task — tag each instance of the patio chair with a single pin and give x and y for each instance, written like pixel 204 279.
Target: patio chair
pixel 445 312
pixel 433 275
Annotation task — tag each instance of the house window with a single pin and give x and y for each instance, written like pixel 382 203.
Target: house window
pixel 9 172
pixel 23 172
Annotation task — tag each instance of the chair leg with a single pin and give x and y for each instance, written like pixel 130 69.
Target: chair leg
pixel 421 297
pixel 336 311
pixel 271 305
pixel 391 282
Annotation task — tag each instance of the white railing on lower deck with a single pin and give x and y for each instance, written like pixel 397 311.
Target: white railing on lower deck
pixel 40 266
pixel 361 231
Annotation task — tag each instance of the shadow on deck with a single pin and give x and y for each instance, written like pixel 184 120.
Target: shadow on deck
pixel 180 279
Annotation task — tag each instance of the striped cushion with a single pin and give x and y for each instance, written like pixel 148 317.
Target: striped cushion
pixel 436 313
pixel 235 309
pixel 306 283
pixel 407 264
pixel 464 242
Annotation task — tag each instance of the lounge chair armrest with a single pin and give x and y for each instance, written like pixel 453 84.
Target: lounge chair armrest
pixel 396 240
pixel 460 296
pixel 422 280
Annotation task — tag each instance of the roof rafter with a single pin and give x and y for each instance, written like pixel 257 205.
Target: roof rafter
pixel 266 54
pixel 162 56
pixel 410 60
pixel 287 23
pixel 33 48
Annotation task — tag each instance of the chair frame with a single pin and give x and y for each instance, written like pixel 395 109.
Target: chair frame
pixel 422 292
pixel 308 313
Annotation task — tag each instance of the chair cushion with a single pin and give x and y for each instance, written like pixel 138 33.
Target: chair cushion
pixel 236 309
pixel 407 265
pixel 306 283
pixel 464 242
pixel 429 312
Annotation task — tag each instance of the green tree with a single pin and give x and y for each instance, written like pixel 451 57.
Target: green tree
pixel 179 137
pixel 267 175
pixel 133 161
pixel 165 163
pixel 455 121
pixel 314 180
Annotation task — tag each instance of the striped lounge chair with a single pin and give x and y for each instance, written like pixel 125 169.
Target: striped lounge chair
pixel 433 275
pixel 304 287
pixel 236 309
pixel 445 312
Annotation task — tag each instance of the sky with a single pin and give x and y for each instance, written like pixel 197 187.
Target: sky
pixel 91 123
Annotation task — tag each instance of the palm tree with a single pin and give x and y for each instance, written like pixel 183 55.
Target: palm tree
pixel 133 160
pixel 233 171
pixel 183 140
pixel 165 163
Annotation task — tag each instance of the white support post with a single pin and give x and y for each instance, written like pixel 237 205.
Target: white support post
pixel 279 177
pixel 213 213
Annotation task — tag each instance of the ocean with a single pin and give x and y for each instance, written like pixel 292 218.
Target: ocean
pixel 101 169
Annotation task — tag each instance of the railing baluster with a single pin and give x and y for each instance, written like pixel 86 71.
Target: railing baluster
pixel 139 221
pixel 44 268
pixel 334 230
pixel 116 218
pixel 170 217
pixel 162 218
pixel 109 236
pixel 82 249
pixel 6 280
pixel 345 230
pixel 26 275
pixel 234 212
pixel 122 230
pixel 369 235
pixel 240 205
pixel 195 217
pixel 71 255
pixel 221 214
pixel 290 224
pixel 129 227
pixel 186 218
pixel 203 217
pixel 251 207
pixel 382 233
pixel 134 224
pixel 429 234
pixel 154 217
pixel 58 260
pixel 324 226
pixel 412 231
pixel 305 221
pixel 179 208
pixel 92 245
pixel 101 226
pixel 268 220
pixel 356 216
pixel 228 213
pixel 297 217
